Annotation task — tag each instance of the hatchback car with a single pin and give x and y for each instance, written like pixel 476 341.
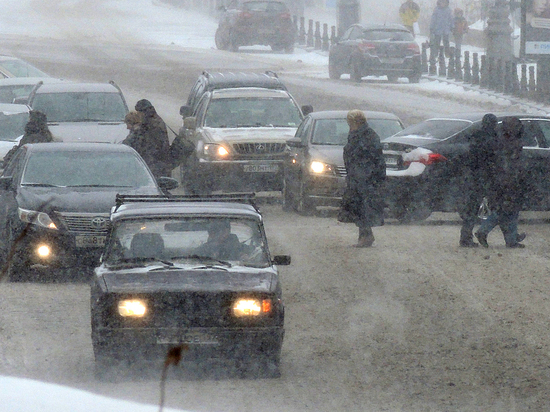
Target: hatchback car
pixel 240 138
pixel 13 118
pixel 11 66
pixel 82 112
pixel 56 201
pixel 438 149
pixel 247 23
pixel 376 50
pixel 314 172
pixel 167 278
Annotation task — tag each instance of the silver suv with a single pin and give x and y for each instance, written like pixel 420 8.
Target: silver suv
pixel 82 112
pixel 240 139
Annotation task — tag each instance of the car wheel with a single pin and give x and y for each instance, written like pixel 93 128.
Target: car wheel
pixel 233 43
pixel 412 212
pixel 356 74
pixel 304 204
pixel 277 47
pixel 288 198
pixel 392 78
pixel 414 78
pixel 222 42
pixel 289 49
pixel 333 72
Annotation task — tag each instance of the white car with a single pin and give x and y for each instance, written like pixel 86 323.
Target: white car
pixel 17 89
pixel 82 112
pixel 13 118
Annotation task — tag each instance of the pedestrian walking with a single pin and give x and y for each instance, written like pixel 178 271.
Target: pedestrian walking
pixel 480 174
pixel 153 143
pixel 409 12
pixel 362 202
pixel 460 28
pixel 507 197
pixel 441 26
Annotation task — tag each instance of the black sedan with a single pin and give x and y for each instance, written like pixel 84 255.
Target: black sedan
pixel 314 172
pixel 438 148
pixel 376 50
pixel 56 199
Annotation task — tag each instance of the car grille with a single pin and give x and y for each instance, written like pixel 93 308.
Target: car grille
pixel 259 148
pixel 86 223
pixel 341 171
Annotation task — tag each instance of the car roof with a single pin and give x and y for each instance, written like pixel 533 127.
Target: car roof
pixel 189 208
pixel 477 116
pixel 14 108
pixel 380 26
pixel 248 92
pixel 24 81
pixel 71 147
pixel 225 80
pixel 70 87
pixel 342 114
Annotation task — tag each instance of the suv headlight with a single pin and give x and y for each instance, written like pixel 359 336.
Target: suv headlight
pixel 318 168
pixel 215 151
pixel 36 218
pixel 251 307
pixel 134 308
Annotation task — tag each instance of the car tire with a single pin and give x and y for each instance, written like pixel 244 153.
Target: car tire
pixel 413 212
pixel 414 78
pixel 333 72
pixel 289 49
pixel 222 43
pixel 304 205
pixel 233 44
pixel 356 74
pixel 287 198
pixel 392 78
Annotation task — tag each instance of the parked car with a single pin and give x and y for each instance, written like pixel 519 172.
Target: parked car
pixel 13 118
pixel 82 112
pixel 56 201
pixel 17 89
pixel 158 287
pixel 11 66
pixel 314 171
pixel 438 147
pixel 228 80
pixel 376 50
pixel 247 23
pixel 240 138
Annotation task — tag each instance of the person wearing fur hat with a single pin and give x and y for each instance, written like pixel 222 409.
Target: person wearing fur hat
pixel 362 202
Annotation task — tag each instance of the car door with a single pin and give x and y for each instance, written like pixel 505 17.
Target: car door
pixel 536 163
pixel 299 155
pixel 342 50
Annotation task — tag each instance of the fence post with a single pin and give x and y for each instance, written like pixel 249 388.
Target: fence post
pixel 318 41
pixel 325 46
pixel 532 85
pixel 458 67
pixel 467 68
pixel 484 72
pixel 424 57
pixel 523 82
pixel 302 32
pixel 332 35
pixel 442 68
pixel 515 79
pixel 475 69
pixel 310 34
pixel 451 67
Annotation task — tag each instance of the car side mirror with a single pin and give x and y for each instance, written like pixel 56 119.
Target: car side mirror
pixel 167 183
pixel 190 123
pixel 307 109
pixel 6 183
pixel 295 142
pixel 21 100
pixel 185 111
pixel 281 260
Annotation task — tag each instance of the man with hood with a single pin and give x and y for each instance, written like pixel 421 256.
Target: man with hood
pixel 441 26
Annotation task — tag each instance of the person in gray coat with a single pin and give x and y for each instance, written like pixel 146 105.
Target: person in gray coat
pixel 441 27
pixel 362 201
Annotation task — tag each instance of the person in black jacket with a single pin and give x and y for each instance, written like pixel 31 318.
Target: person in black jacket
pixel 479 176
pixel 366 171
pixel 506 199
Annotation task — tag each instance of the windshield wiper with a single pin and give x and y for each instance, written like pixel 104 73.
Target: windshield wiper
pixel 99 186
pixel 40 185
pixel 204 258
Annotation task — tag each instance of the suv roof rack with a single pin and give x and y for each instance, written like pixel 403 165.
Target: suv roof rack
pixel 245 197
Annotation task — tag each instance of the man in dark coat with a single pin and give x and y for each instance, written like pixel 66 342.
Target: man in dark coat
pixel 366 172
pixel 481 162
pixel 507 197
pixel 153 145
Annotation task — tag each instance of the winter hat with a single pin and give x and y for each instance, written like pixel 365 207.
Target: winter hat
pixel 143 105
pixel 37 116
pixel 133 117
pixel 356 117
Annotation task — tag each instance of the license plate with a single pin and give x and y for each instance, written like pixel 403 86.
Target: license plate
pixel 261 168
pixel 391 161
pixel 90 241
pixel 191 338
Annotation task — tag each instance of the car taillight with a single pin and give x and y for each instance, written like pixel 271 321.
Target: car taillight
pixel 365 46
pixel 427 159
pixel 285 15
pixel 245 15
pixel 414 48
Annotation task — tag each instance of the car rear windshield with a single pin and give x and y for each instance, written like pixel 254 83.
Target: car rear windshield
pixel 12 125
pixel 86 169
pixel 81 107
pixel 190 240
pixel 19 68
pixel 387 35
pixel 267 6
pixel 335 131
pixel 252 112
pixel 438 129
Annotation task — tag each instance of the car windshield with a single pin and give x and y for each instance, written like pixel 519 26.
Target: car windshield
pixel 86 169
pixel 252 112
pixel 335 131
pixel 191 240
pixel 11 92
pixel 438 129
pixel 387 35
pixel 19 68
pixel 81 106
pixel 269 6
pixel 12 125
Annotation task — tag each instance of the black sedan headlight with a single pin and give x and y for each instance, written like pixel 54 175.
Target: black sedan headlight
pixel 36 218
pixel 320 168
pixel 251 307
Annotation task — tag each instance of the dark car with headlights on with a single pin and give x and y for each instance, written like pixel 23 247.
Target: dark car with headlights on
pixel 247 23
pixel 56 199
pixel 314 172
pixel 438 148
pixel 192 271
pixel 376 50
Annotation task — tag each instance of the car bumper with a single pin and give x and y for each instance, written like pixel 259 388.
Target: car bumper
pixel 374 65
pixel 265 36
pixel 326 190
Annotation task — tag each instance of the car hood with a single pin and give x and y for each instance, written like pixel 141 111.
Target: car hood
pixel 108 132
pixel 195 278
pixel 250 134
pixel 7 145
pixel 73 199
pixel 333 155
pixel 411 140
